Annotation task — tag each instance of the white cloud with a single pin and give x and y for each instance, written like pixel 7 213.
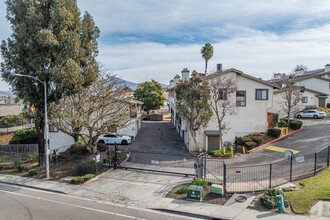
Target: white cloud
pixel 258 37
pixel 260 54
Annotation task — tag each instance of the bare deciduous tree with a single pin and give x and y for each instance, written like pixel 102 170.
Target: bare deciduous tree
pixel 292 95
pixel 222 104
pixel 94 111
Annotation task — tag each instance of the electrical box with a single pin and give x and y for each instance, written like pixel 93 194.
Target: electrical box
pixel 217 189
pixel 195 193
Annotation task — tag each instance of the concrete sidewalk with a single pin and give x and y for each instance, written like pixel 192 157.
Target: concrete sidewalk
pixel 144 190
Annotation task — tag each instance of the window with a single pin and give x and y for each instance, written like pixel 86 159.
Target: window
pixel 261 94
pixel 52 129
pixel 241 98
pixel 223 94
pixel 304 100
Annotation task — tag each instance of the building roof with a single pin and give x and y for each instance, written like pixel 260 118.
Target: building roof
pixel 306 75
pixel 241 74
pixel 306 89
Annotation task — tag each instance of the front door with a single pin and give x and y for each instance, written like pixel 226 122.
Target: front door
pixel 322 102
pixel 213 143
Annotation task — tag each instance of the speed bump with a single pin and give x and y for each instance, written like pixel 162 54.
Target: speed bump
pixel 281 149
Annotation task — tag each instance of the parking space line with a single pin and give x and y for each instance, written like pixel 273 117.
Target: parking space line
pixel 281 149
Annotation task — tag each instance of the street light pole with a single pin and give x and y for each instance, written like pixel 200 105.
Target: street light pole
pixel 46 133
pixel 46 123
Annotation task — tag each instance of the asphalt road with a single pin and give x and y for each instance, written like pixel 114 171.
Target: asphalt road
pixel 18 203
pixel 314 137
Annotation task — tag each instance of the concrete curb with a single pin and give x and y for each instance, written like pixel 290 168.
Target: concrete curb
pixel 284 136
pixel 255 149
pixel 32 187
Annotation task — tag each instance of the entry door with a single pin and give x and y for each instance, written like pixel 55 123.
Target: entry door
pixel 213 142
pixel 322 102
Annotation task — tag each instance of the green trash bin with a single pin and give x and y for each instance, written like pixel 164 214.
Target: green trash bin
pixel 216 189
pixel 195 193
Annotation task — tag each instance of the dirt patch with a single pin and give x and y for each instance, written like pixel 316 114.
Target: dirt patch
pixel 208 198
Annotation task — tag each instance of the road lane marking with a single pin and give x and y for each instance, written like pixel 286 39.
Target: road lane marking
pixel 281 149
pixel 68 204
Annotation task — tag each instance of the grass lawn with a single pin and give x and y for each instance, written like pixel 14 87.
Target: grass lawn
pixel 315 188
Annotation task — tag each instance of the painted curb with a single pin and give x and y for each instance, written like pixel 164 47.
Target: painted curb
pixel 255 149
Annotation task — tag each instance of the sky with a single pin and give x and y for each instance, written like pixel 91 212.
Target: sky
pixel 148 39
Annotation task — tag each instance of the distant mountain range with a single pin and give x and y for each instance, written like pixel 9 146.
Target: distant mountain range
pixel 133 86
pixel 129 84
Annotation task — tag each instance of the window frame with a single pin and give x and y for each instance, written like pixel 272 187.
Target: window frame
pixel 225 94
pixel 267 95
pixel 245 96
pixel 304 98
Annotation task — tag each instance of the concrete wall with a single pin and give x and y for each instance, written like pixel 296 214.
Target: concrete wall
pixel 59 140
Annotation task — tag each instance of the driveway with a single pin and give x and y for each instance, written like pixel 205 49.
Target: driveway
pixel 159 147
pixel 158 136
pixel 314 137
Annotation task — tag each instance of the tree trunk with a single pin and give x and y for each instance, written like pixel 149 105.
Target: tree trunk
pixel 205 66
pixel 39 125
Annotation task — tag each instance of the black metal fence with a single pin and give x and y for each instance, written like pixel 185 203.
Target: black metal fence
pixel 265 176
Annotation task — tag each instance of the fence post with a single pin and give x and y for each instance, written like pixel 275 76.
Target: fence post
pixel 270 176
pixel 315 164
pixel 328 156
pixel 291 158
pixel 115 159
pixel 224 178
pixel 205 165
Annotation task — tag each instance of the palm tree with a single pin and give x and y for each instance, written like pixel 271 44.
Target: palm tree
pixel 207 53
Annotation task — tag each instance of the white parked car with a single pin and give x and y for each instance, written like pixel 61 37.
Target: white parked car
pixel 311 114
pixel 114 138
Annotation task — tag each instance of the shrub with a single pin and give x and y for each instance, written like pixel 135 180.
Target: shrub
pixel 88 167
pixel 239 141
pixel 210 152
pixel 33 172
pixel 328 105
pixel 1 166
pixel 32 159
pixel 295 124
pixel 227 154
pixel 18 166
pixel 77 148
pixel 26 136
pixel 132 138
pixel 4 158
pixel 269 198
pixel 182 190
pixel 282 124
pixel 257 139
pixel 12 120
pixel 199 182
pixel 82 179
pixel 102 147
pixel 250 145
pixel 246 139
pixel 275 132
pixel 217 153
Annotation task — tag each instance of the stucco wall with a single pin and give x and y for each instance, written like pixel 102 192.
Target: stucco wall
pixel 279 99
pixel 317 85
pixel 59 140
pixel 248 119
